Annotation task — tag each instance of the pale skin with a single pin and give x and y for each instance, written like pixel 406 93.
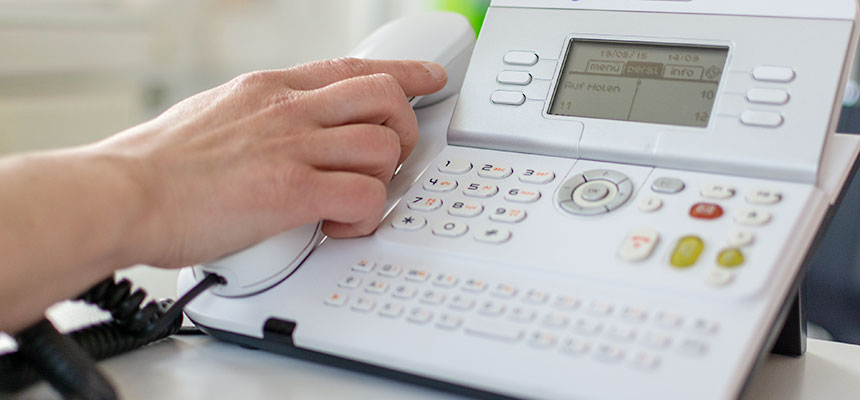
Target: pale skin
pixel 266 152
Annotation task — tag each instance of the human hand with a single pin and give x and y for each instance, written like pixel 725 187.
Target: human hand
pixel 270 151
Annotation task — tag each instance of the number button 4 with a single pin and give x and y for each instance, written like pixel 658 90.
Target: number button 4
pixel 440 185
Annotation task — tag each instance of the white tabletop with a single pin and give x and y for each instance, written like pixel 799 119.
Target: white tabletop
pixel 199 367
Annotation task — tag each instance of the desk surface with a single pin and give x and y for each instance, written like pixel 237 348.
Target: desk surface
pixel 198 367
pixel 203 368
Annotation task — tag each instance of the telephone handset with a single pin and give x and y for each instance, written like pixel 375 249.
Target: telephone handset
pixel 445 38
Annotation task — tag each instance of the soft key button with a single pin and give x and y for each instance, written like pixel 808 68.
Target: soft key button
pixel 480 190
pixel 752 216
pixel 764 119
pixel 764 196
pixel 466 209
pixel 719 277
pixel 522 195
pixel 494 171
pixel 687 251
pixel 639 245
pixel 520 78
pixel 408 222
pixel 773 74
pixel 668 185
pixel 706 211
pixel 718 191
pixel 450 229
pixel 536 176
pixel 454 166
pixel 507 97
pixel 767 96
pixel 420 203
pixel 441 185
pixel 510 215
pixel 521 58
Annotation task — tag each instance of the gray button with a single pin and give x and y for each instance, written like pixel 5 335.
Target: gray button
pixel 625 191
pixel 565 193
pixel 574 208
pixel 595 193
pixel 605 174
pixel 507 97
pixel 668 185
pixel 521 58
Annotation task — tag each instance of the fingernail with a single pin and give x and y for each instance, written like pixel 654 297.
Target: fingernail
pixel 437 72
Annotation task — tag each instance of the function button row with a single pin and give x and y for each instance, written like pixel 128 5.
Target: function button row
pixel 518 78
pixel 716 191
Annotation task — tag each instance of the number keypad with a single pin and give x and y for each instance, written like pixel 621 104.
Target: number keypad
pixel 462 198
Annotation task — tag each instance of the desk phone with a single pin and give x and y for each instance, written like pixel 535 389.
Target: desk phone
pixel 618 204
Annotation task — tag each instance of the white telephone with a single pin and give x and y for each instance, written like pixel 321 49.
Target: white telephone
pixel 618 204
pixel 445 38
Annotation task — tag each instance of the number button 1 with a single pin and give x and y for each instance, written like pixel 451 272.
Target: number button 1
pixel 454 166
pixel 440 185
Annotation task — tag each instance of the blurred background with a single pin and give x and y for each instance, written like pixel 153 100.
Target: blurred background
pixel 75 71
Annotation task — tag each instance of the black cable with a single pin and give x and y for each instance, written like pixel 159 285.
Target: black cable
pixel 68 362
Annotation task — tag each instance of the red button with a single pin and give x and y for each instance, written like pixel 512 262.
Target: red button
pixel 706 211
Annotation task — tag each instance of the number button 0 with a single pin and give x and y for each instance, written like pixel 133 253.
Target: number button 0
pixel 454 166
pixel 440 185
pixel 466 209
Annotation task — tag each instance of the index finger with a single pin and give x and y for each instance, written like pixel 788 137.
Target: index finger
pixel 417 78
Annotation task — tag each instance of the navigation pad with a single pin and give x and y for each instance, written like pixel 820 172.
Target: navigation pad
pixel 594 192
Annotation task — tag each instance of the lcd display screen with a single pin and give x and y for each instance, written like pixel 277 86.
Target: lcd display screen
pixel 642 82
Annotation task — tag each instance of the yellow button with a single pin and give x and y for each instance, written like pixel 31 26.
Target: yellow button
pixel 687 251
pixel 730 258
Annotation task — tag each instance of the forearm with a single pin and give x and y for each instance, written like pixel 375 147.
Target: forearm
pixel 67 220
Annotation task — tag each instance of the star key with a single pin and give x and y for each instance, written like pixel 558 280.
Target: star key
pixel 408 222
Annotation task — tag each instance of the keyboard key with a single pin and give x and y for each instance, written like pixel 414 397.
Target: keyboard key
pixel 463 303
pixel 336 299
pixel 417 275
pixel 363 304
pixel 445 280
pixel 363 266
pixel 518 195
pixel 575 347
pixel 390 270
pixel 449 322
pixel 420 316
pixel 492 309
pixel 522 315
pixel 539 177
pixel 426 204
pixel 493 235
pixel 474 286
pixel 508 215
pixel 439 185
pixel 609 353
pixel 376 287
pixel 404 292
pixel 555 320
pixel 391 310
pixel 450 229
pixel 480 190
pixel 504 291
pixel 646 361
pixel 432 297
pixel 567 303
pixel 542 340
pixel 466 209
pixel 496 331
pixel 350 282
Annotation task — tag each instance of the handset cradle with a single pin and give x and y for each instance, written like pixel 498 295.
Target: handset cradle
pixel 445 38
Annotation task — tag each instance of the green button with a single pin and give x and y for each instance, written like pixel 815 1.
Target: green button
pixel 730 258
pixel 687 251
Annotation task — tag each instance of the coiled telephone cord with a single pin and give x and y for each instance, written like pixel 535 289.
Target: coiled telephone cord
pixel 67 362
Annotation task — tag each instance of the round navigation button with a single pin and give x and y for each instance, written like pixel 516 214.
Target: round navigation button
pixel 595 193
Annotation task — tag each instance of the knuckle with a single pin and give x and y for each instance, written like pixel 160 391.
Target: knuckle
pixel 256 79
pixel 347 66
pixel 388 89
